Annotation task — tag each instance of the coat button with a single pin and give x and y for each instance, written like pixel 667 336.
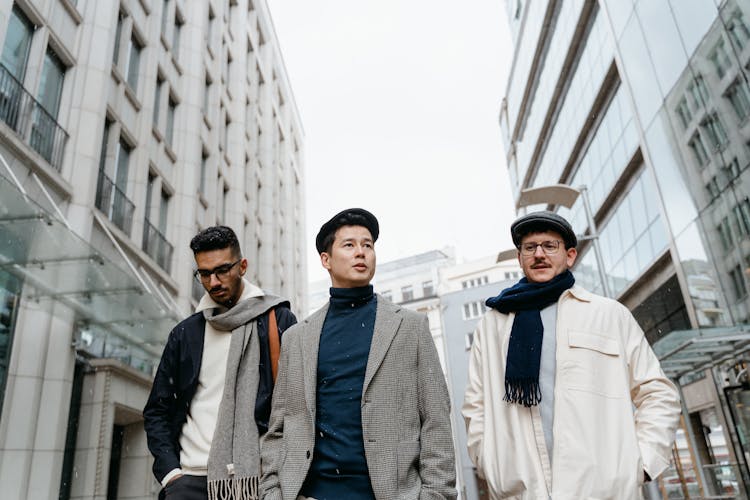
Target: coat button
pixel 307 454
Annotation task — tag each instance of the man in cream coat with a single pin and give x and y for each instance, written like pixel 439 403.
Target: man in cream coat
pixel 361 408
pixel 565 399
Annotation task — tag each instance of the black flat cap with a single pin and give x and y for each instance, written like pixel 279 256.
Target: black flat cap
pixel 348 217
pixel 543 221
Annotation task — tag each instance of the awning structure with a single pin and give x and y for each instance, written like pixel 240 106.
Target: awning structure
pixel 117 315
pixel 684 352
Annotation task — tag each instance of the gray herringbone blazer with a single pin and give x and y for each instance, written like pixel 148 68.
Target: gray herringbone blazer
pixel 405 411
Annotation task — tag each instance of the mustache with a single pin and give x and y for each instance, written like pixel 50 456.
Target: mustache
pixel 216 289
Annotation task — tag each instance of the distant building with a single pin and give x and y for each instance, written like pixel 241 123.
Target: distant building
pixel 647 104
pixel 125 127
pixel 464 289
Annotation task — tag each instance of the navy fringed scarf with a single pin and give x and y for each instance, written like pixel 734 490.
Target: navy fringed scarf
pixel 525 347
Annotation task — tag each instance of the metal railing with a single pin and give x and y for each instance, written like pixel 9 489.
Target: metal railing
pixel 157 246
pixel 113 202
pixel 28 118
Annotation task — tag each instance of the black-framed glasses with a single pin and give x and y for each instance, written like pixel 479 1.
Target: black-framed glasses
pixel 221 271
pixel 549 247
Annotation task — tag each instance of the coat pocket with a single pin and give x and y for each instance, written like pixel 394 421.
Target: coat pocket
pixel 593 363
pixel 407 465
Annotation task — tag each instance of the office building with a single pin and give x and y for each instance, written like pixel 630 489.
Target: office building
pixel 125 127
pixel 646 105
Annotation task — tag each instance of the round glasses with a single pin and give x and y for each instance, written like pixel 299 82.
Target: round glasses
pixel 549 247
pixel 221 271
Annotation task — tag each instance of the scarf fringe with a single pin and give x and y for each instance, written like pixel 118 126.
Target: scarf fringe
pixel 242 488
pixel 525 391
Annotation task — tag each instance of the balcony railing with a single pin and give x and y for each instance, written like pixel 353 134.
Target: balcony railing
pixel 113 202
pixel 157 246
pixel 27 117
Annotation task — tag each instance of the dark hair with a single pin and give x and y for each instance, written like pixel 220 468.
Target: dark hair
pixel 215 238
pixel 348 219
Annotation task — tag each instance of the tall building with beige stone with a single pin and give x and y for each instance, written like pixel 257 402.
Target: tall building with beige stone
pixel 125 127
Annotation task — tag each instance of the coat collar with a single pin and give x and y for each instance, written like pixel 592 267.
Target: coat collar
pixel 387 321
pixel 310 344
pixel 579 293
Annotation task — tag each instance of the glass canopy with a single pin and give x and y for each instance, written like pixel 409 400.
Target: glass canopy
pixel 683 352
pixel 55 265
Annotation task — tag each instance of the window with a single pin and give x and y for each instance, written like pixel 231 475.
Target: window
pixel 51 84
pixel 210 30
pixel 176 34
pixel 738 30
pixel 171 109
pixel 9 303
pixel 714 128
pixel 699 150
pixel 111 195
pixel 683 112
pixel 742 217
pixel 225 137
pixel 17 43
pixel 226 62
pixel 732 169
pixel 44 126
pixel 720 58
pixel 105 139
pixel 134 63
pixel 407 293
pixel 224 196
pixel 698 91
pixel 427 289
pixel 725 234
pixel 469 341
pixel 157 100
pixel 149 194
pixel 164 18
pixel 738 282
pixel 163 211
pixel 473 310
pixel 204 167
pixel 713 187
pixel 387 294
pixel 206 95
pixel 739 96
pixel 118 33
pixel 122 166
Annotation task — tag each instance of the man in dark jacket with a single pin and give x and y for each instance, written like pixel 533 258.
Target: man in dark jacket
pixel 211 397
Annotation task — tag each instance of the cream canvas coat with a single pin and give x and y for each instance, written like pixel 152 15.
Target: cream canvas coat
pixel 615 412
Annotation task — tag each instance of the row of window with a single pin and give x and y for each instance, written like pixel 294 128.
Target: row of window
pixel 738 228
pixel 481 280
pixel 407 292
pixel 473 309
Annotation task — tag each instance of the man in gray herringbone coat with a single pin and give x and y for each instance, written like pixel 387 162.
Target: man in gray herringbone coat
pixel 361 408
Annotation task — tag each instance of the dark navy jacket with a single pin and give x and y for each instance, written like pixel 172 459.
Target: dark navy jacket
pixel 176 381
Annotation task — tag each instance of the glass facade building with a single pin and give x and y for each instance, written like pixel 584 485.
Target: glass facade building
pixel 646 104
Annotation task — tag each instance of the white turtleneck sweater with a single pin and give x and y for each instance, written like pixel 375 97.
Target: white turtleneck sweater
pixel 198 430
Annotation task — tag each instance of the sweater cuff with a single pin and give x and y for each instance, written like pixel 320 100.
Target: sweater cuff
pixel 170 475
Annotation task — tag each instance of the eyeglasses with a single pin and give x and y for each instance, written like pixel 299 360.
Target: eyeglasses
pixel 548 247
pixel 221 272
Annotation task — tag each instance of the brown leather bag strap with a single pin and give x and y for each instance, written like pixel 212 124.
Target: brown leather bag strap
pixel 274 344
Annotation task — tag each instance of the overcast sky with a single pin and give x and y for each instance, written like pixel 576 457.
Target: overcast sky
pixel 399 101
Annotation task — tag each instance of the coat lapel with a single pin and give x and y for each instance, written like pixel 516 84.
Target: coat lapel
pixel 387 321
pixel 310 344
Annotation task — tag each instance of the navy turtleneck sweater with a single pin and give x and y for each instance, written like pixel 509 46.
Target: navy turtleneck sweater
pixel 339 467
